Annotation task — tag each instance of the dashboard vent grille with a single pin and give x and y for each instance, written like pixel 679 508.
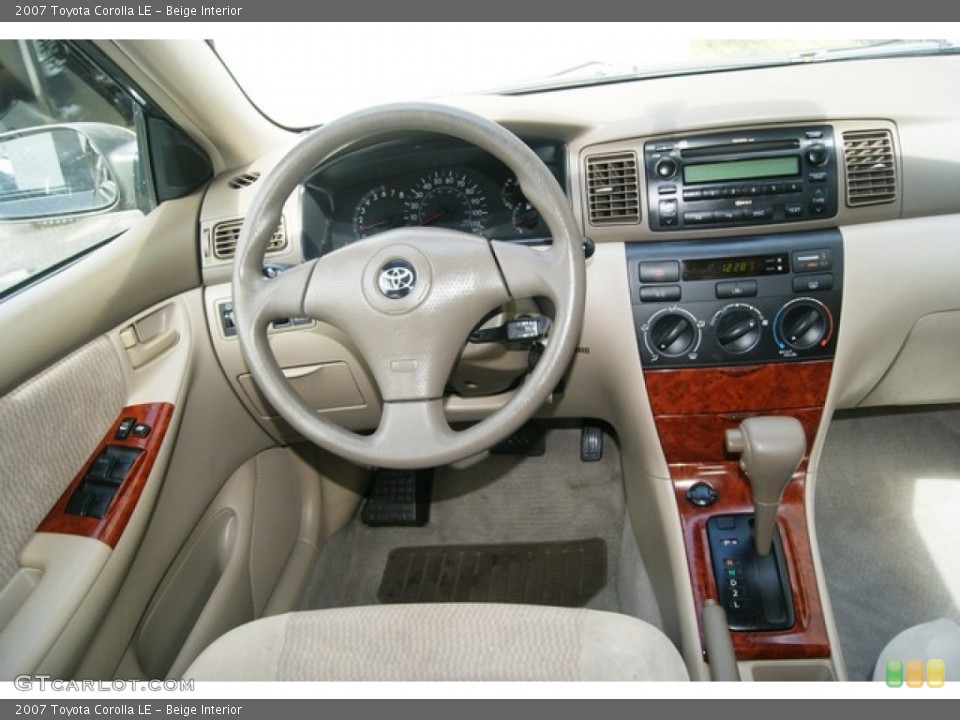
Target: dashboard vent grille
pixel 226 234
pixel 244 180
pixel 871 171
pixel 613 189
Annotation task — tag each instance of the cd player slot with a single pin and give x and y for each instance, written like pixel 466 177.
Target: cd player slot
pixel 739 148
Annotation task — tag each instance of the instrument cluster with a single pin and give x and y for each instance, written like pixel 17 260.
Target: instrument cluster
pixel 423 181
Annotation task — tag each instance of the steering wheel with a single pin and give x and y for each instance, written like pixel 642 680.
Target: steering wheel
pixel 409 297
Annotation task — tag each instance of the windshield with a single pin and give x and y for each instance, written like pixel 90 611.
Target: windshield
pixel 330 69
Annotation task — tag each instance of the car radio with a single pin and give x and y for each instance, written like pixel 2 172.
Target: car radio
pixel 769 298
pixel 740 178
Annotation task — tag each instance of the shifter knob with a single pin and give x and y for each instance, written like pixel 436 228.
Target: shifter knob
pixel 770 449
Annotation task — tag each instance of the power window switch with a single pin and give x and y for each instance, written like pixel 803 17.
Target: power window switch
pixel 100 468
pixel 79 502
pixel 98 508
pixel 123 459
pixel 120 469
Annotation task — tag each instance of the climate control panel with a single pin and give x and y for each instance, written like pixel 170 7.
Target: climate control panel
pixel 738 301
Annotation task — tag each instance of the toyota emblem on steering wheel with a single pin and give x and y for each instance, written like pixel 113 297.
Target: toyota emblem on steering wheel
pixel 396 279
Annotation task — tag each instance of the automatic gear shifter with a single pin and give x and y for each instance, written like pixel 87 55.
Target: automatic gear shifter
pixel 770 449
pixel 753 583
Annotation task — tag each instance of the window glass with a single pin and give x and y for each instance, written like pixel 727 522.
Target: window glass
pixel 71 175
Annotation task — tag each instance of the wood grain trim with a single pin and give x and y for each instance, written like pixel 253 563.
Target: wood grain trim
pixel 692 409
pixel 808 638
pixel 110 527
pixel 757 388
pixel 699 438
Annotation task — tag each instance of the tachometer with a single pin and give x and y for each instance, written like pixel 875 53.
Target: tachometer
pixel 382 208
pixel 448 198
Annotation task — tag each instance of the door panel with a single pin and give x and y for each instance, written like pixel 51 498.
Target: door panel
pixel 50 425
pixel 61 571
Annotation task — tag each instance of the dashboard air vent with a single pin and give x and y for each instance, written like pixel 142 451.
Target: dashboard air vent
pixel 226 234
pixel 244 180
pixel 871 170
pixel 613 189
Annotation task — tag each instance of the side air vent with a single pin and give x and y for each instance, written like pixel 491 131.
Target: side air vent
pixel 871 170
pixel 226 234
pixel 613 189
pixel 244 180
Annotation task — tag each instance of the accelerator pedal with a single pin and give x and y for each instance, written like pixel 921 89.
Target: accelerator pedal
pixel 398 498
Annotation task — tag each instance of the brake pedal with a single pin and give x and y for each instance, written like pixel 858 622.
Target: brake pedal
pixel 591 443
pixel 398 498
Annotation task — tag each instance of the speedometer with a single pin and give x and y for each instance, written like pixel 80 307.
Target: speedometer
pixel 450 199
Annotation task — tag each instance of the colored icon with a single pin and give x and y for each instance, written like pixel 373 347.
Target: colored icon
pixel 914 673
pixel 894 673
pixel 936 673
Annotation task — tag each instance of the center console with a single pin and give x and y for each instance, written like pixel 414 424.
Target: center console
pixel 729 330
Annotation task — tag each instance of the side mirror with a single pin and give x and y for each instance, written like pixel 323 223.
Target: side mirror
pixel 66 170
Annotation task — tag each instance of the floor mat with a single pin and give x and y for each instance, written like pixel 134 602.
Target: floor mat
pixel 567 574
pixel 500 499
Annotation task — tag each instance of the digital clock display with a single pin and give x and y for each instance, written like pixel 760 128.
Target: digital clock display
pixel 732 267
pixel 752 169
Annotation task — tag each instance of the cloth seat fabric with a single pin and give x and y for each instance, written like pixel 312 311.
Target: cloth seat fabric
pixel 430 642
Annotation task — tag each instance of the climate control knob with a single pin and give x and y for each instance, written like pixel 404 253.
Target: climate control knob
pixel 672 333
pixel 738 328
pixel 802 324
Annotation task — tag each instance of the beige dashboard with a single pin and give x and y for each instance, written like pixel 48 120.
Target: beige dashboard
pixel 898 339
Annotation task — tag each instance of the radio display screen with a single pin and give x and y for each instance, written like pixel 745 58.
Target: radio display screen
pixel 731 267
pixel 741 169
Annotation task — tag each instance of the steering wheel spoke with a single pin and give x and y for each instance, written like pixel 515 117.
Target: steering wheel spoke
pixel 281 296
pixel 414 429
pixel 530 272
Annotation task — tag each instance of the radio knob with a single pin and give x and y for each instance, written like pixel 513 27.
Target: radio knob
pixel 672 334
pixel 665 168
pixel 817 155
pixel 738 328
pixel 802 324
